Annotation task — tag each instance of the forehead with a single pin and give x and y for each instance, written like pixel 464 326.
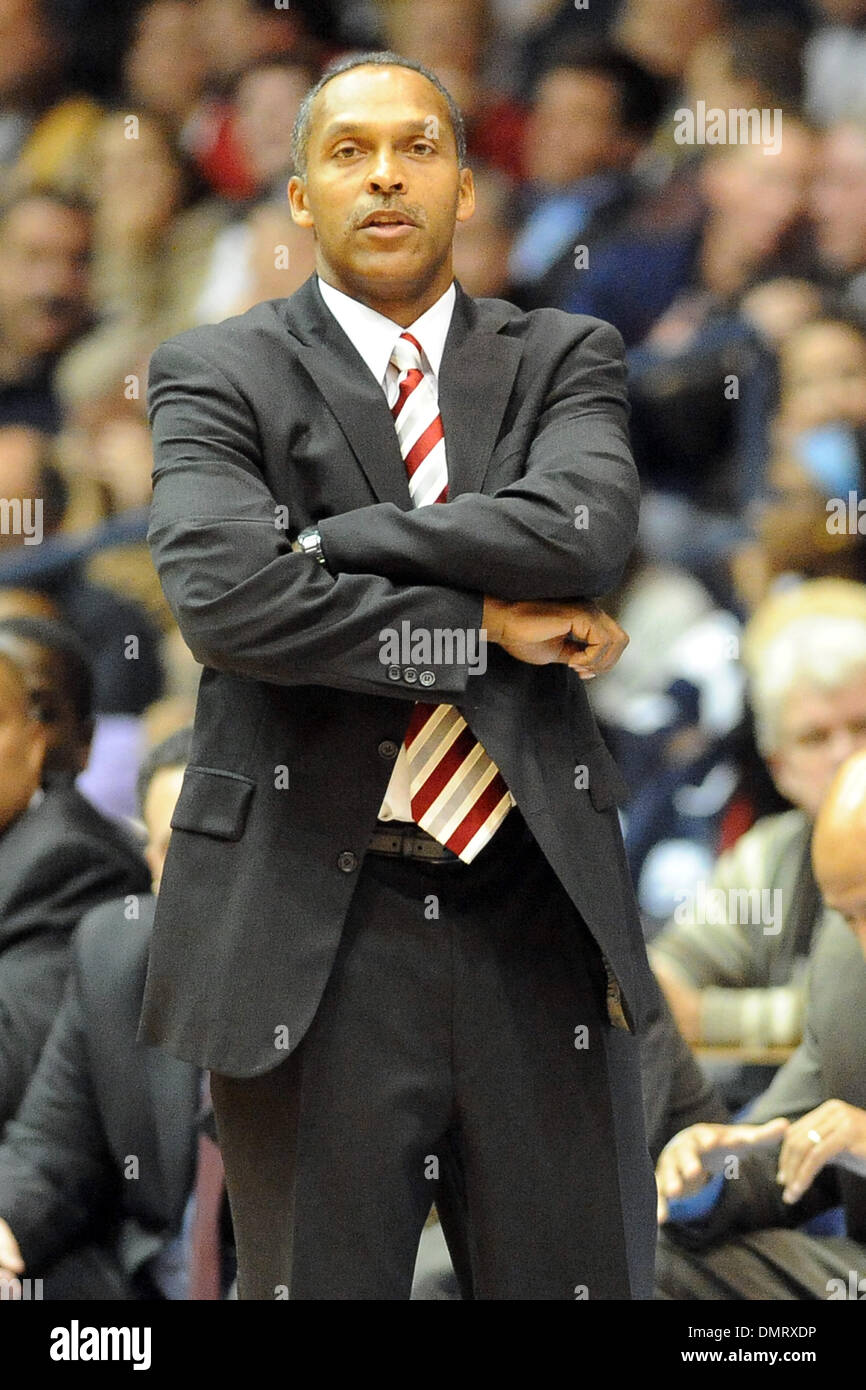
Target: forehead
pixel 376 96
pixel 808 705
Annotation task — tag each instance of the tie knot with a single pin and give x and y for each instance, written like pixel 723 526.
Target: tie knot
pixel 407 353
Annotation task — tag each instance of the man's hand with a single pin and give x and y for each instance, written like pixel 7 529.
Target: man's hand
pixel 579 635
pixel 11 1263
pixel 833 1130
pixel 696 1153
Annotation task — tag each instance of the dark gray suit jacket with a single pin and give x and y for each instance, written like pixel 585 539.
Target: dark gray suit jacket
pixel 98 1101
pixel 57 860
pixel 269 422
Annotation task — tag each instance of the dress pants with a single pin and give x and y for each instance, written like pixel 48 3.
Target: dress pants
pixel 465 1013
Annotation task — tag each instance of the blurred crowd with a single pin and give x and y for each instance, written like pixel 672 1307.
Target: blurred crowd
pixel 144 155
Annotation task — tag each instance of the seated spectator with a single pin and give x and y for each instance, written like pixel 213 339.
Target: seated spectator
pixel 803 526
pixel 839 209
pixel 164 65
pixel 45 126
pixel 836 61
pixel 593 112
pixel 244 266
pixel 59 681
pixel 482 244
pixel 117 632
pixel 732 960
pixel 100 756
pixel 233 34
pixel 452 38
pixel 45 243
pixel 58 858
pixel 153 232
pixel 69 1212
pixel 733 1202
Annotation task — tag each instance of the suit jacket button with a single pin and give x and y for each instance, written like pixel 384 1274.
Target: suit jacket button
pixel 347 861
pixel 410 675
pixel 394 673
pixel 427 678
pixel 388 748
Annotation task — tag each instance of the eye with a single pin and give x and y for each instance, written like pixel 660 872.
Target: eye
pixel 424 146
pixel 345 149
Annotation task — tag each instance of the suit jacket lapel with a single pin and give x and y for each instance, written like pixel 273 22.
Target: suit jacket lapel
pixel 355 398
pixel 475 382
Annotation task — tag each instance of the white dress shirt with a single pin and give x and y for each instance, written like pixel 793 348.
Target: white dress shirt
pixel 373 336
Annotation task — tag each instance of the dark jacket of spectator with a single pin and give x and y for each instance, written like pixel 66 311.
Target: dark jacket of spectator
pixel 86 1223
pixel 57 860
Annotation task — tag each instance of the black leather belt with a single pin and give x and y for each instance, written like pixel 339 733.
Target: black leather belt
pixel 401 841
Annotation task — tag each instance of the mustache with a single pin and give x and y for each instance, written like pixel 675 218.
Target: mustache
pixel 414 214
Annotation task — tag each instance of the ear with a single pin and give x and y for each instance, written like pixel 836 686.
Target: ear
pixel 465 196
pixel 298 204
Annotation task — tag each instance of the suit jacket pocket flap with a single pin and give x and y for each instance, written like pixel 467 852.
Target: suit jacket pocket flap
pixel 213 802
pixel 606 784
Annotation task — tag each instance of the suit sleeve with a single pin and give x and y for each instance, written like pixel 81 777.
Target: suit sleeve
pixel 32 977
pixel 562 531
pixel 244 601
pixel 54 1165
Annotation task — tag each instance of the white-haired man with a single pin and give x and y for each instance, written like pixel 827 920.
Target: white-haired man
pixel 732 959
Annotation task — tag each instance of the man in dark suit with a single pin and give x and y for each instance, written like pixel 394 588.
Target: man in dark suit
pixel 59 856
pixel 395 909
pixel 97 1166
pixel 803 1151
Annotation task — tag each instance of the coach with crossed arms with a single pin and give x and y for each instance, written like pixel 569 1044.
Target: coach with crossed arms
pixel 395 914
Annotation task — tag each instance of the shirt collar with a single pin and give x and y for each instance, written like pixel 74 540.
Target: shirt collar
pixel 373 335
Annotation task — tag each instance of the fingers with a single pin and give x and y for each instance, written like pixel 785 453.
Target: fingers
pixel 810 1144
pixel 604 642
pixel 679 1167
pixel 11 1262
pixel 662 1211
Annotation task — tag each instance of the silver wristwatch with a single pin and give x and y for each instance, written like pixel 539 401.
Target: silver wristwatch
pixel 310 542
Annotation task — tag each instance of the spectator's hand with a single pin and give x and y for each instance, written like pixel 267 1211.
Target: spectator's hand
pixel 11 1263
pixel 818 1138
pixel 696 1153
pixel 579 635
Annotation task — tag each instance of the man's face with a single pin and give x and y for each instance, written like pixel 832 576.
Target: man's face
pixel 381 142
pixel 575 129
pixel 22 746
pixel 824 376
pixel 67 740
pixel 159 804
pixel 839 199
pixel 267 103
pixel 44 276
pixel 819 730
pixel 762 196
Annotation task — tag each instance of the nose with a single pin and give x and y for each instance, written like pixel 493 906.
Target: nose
pixel 385 175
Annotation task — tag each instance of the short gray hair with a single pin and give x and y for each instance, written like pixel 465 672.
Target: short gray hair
pixel 827 655
pixel 382 58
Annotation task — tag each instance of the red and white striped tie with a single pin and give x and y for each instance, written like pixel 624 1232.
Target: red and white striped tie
pixel 457 793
